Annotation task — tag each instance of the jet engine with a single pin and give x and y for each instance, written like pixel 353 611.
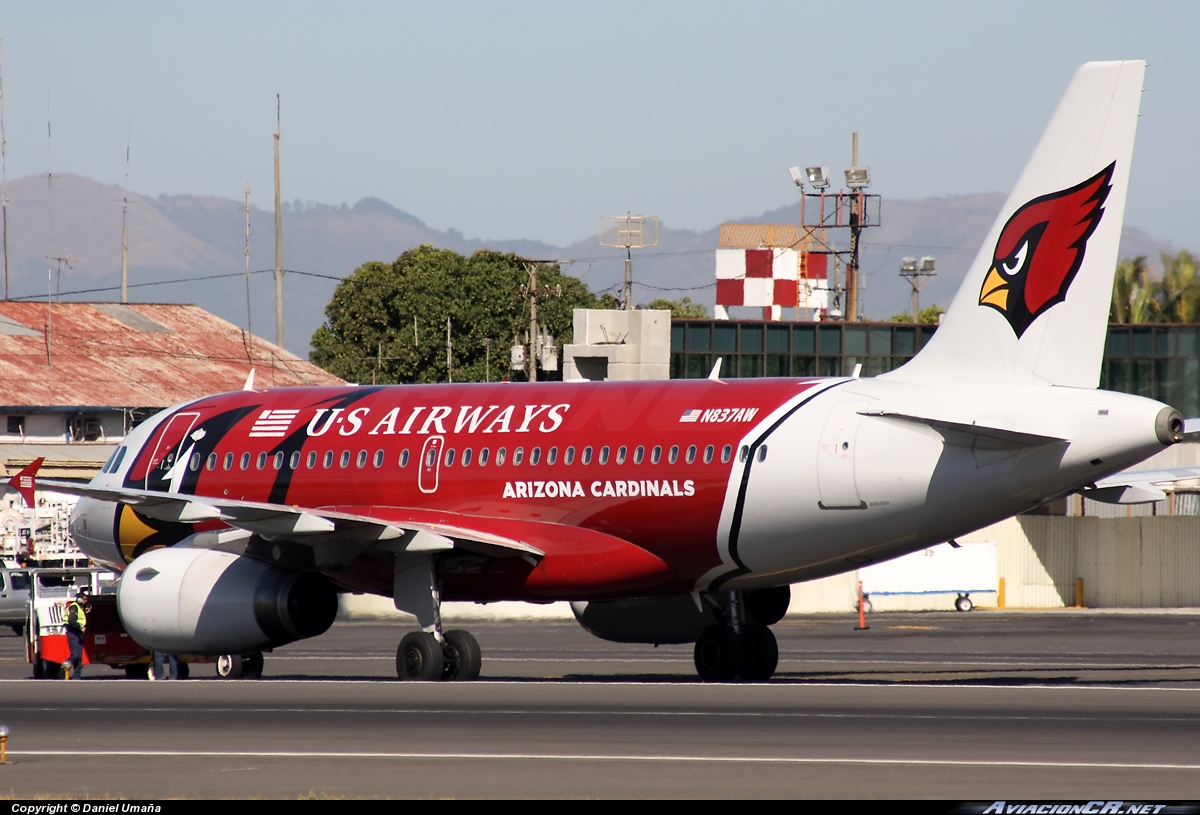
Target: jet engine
pixel 203 601
pixel 672 619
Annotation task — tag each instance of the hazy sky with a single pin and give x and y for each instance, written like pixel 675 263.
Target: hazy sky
pixel 532 119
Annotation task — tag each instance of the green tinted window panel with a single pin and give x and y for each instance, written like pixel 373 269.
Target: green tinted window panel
pixel 804 339
pixel 678 366
pixel 906 341
pixel 1189 387
pixel 1184 342
pixel 778 365
pixel 829 339
pixel 881 341
pixel 1118 342
pixel 699 338
pixel 1141 341
pixel 876 366
pixel 1162 342
pixel 804 366
pixel 777 339
pixel 750 365
pixel 829 366
pixel 725 338
pixel 1143 378
pixel 752 339
pixel 698 366
pixel 854 339
pixel 677 332
pixel 1166 380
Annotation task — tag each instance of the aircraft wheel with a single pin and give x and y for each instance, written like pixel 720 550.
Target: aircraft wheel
pixel 419 657
pixel 963 603
pixel 50 670
pixel 137 671
pixel 184 671
pixel 252 665
pixel 229 666
pixel 39 668
pixel 462 657
pixel 718 654
pixel 760 653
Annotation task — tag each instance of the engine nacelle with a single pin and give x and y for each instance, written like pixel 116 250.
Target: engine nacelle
pixel 666 620
pixel 203 601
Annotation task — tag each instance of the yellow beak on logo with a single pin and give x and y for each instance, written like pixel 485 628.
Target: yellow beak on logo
pixel 995 290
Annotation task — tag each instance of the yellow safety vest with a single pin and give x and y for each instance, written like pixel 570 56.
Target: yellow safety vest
pixel 80 615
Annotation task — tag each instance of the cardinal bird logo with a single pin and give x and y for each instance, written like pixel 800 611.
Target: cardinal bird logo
pixel 1041 249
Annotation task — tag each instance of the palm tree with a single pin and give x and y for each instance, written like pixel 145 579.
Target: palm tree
pixel 1134 297
pixel 1179 291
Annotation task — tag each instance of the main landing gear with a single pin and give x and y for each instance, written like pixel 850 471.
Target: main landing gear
pixel 741 646
pixel 430 654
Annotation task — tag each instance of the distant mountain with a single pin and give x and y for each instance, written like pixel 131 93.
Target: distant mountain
pixel 185 248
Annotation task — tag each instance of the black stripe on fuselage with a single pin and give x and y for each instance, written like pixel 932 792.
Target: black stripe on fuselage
pixel 739 506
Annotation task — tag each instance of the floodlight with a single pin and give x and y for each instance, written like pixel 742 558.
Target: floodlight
pixel 908 266
pixel 858 178
pixel 927 264
pixel 797 178
pixel 818 176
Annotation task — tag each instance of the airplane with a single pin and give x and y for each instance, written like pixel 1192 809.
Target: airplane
pixel 665 512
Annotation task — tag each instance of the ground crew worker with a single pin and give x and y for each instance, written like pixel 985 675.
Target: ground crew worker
pixel 76 624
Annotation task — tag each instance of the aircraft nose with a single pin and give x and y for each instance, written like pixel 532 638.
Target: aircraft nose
pixel 92 529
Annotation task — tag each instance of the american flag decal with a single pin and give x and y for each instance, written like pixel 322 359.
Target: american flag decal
pixel 272 424
pixel 690 415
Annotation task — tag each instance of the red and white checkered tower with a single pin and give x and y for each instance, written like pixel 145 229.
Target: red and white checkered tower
pixel 770 266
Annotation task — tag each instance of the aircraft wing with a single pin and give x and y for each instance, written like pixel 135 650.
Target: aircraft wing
pixel 1138 486
pixel 566 559
pixel 296 524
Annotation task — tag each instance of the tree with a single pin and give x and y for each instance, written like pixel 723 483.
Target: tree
pixel 684 307
pixel 1133 298
pixel 930 315
pixel 1141 297
pixel 386 322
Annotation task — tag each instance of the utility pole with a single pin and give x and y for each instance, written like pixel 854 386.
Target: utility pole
pixel 124 224
pixel 855 229
pixel 914 271
pixel 249 320
pixel 531 362
pixel 3 176
pixel 449 365
pixel 278 239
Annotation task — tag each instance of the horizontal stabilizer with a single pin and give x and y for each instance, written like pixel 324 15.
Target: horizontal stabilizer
pixel 1125 494
pixel 996 436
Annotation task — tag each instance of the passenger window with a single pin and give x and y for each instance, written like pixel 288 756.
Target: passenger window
pixel 377 462
pixel 261 461
pixel 604 454
pixel 294 460
pixel 762 453
pixel 655 454
pixel 726 453
pixel 449 457
pixel 569 456
pixel 708 454
pixel 621 453
pixel 404 458
pixel 535 455
pixel 501 454
pixel 483 456
pixel 587 455
pixel 211 464
pixel 673 455
pixel 552 456
pixel 194 462
pixel 518 456
pixel 278 462
pixel 228 461
pixel 744 454
pixel 344 462
pixel 691 453
pixel 430 456
pixel 466 461
pixel 327 459
pixel 361 461
pixel 245 462
pixel 312 460
pixel 639 454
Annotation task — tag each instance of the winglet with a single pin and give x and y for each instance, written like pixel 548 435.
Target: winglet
pixel 249 386
pixel 25 482
pixel 715 374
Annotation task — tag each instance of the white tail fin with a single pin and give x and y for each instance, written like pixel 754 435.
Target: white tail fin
pixel 1034 305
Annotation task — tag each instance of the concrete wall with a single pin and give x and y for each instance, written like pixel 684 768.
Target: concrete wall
pixel 613 345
